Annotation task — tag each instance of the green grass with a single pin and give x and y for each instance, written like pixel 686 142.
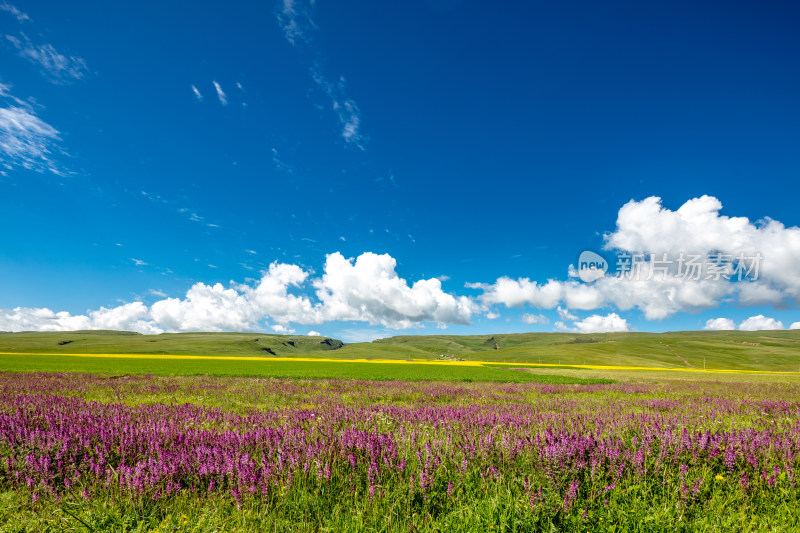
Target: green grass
pixel 665 376
pixel 237 344
pixel 742 350
pixel 659 498
pixel 279 369
pixel 760 350
pixel 640 510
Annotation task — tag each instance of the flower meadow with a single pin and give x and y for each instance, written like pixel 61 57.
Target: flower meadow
pixel 145 453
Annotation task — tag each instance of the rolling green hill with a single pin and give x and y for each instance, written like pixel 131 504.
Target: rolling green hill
pixel 760 350
pixel 241 344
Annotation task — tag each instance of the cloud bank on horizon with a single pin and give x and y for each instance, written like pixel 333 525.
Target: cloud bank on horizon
pixel 368 288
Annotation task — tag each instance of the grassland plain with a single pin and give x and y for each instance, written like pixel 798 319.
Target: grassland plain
pixel 213 454
pixel 310 436
pixel 760 350
pixel 303 368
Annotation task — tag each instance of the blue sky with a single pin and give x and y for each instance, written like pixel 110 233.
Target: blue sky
pixel 151 148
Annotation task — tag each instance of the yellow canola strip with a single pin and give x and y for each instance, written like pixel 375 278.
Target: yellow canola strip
pixel 402 361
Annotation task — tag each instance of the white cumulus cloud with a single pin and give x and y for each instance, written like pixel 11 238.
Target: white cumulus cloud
pixel 515 293
pixel 658 297
pixel 363 289
pixel 565 315
pixel 601 324
pixel 795 325
pixel 368 289
pixel 271 296
pixel 760 322
pixel 534 319
pixel 596 324
pixel 40 319
pixel 129 317
pixel 719 324
pixel 696 228
pixel 206 308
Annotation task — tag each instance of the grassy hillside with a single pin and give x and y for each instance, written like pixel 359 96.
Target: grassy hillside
pixel 241 344
pixel 760 350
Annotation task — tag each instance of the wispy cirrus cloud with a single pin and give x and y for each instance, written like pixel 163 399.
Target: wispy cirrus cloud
pixel 173 203
pixel 14 11
pixel 295 19
pixel 57 67
pixel 26 141
pixel 280 164
pixel 344 107
pixel 223 98
pixel 194 217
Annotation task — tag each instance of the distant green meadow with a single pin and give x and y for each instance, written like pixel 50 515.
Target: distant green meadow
pixel 288 368
pixel 731 350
